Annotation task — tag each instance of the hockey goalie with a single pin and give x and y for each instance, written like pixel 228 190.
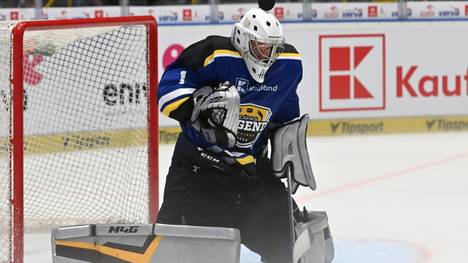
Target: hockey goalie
pixel 233 97
pixel 230 96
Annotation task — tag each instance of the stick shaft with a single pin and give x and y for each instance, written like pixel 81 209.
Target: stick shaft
pixel 291 213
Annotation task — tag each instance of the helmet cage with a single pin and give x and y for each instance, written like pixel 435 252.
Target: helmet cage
pixel 264 52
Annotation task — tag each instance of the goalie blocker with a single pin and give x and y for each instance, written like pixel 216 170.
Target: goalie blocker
pixel 289 151
pixel 290 158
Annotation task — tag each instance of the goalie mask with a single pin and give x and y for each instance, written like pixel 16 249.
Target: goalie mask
pixel 258 37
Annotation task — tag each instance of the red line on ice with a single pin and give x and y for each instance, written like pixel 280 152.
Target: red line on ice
pixel 383 177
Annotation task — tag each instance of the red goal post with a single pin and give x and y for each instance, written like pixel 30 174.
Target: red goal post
pixel 69 133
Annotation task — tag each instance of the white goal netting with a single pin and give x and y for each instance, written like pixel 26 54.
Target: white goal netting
pixel 85 127
pixel 5 215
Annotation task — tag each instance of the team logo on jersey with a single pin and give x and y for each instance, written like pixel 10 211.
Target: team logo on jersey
pixel 242 85
pixel 252 121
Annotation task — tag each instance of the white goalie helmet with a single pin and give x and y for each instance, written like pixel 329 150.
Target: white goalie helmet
pixel 258 36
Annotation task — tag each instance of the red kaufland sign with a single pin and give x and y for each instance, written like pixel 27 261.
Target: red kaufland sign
pixel 345 61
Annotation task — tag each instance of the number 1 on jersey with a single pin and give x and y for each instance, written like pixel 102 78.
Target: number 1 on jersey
pixel 183 73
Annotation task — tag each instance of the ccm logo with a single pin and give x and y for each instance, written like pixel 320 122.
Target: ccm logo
pixel 123 229
pixel 209 157
pixel 352 72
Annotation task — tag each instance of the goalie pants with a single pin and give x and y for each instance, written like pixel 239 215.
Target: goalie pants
pixel 201 190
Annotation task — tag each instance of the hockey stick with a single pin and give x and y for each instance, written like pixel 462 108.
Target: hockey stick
pixel 291 211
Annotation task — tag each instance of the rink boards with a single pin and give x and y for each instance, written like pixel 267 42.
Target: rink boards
pixel 82 141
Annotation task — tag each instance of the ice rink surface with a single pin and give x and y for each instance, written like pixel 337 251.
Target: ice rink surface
pixel 389 198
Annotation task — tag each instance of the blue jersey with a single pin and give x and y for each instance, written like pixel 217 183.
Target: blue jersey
pixel 214 60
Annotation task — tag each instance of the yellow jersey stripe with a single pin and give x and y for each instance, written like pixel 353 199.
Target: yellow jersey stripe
pixel 289 55
pixel 220 52
pixel 171 107
pixel 295 56
pixel 173 95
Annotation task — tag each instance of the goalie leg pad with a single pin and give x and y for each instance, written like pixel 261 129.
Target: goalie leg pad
pixel 314 243
pixel 145 243
pixel 289 148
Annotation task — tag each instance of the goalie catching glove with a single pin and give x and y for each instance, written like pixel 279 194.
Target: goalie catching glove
pixel 216 114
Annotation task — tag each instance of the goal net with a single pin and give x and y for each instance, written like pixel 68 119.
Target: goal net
pixel 78 129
